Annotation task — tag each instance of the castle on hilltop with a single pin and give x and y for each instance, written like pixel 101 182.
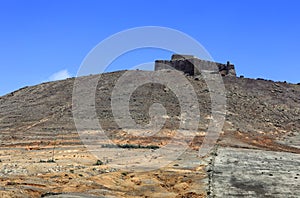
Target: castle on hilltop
pixel 189 64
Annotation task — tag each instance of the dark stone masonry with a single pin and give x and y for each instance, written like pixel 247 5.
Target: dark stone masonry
pixel 190 65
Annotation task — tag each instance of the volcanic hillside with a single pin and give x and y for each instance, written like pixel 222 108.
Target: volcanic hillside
pixel 254 107
pixel 257 153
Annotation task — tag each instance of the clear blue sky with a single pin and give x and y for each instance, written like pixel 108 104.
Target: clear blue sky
pixel 39 38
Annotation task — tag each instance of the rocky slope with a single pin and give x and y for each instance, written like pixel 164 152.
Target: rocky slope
pixel 261 115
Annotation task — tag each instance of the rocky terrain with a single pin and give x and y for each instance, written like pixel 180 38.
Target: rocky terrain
pixel 257 154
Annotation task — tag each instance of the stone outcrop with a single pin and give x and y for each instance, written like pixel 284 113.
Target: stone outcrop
pixel 193 66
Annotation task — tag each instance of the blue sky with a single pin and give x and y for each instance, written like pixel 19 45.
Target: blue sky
pixel 42 40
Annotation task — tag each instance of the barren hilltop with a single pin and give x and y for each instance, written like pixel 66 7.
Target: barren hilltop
pixel 257 153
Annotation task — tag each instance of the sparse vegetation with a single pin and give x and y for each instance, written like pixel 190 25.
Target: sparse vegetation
pixel 49 194
pixel 98 163
pixel 47 161
pixel 130 146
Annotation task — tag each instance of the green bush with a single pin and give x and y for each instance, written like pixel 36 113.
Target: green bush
pixel 98 163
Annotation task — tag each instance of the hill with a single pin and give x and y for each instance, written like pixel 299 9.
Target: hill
pixel 260 135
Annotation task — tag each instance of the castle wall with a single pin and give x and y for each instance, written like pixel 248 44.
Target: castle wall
pixel 193 66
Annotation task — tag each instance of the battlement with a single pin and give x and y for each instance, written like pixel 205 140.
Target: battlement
pixel 192 65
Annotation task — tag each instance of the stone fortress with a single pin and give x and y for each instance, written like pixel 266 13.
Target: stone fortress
pixel 187 63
